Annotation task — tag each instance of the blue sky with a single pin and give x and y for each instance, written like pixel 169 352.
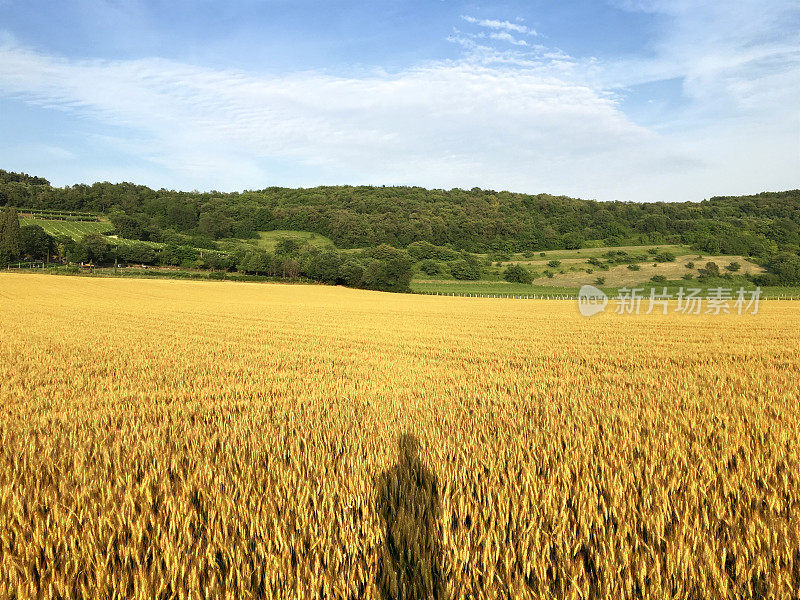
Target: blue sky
pixel 620 100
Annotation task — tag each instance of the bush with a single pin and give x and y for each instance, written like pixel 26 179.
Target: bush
pixel 136 253
pixel 217 261
pixel 690 265
pixel 517 274
pixel 665 257
pixel 391 275
pixel 465 268
pixel 710 270
pixel 351 273
pixel 787 267
pixel 767 280
pixel 287 247
pixel 572 241
pixel 688 276
pixel 428 251
pixel 499 255
pixel 600 281
pixel 733 267
pixel 325 267
pixel 549 273
pixel 430 267
pixel 554 264
pixel 658 279
pixel 634 267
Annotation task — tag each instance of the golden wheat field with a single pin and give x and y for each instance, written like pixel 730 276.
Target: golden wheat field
pixel 165 439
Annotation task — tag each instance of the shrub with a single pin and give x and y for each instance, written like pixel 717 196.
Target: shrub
pixel 392 275
pixel 517 274
pixel 733 267
pixel 634 267
pixel 600 281
pixel 665 257
pixel 465 268
pixel 351 273
pixel 767 280
pixel 136 253
pixel 553 264
pixel 658 279
pixel 710 270
pixel 430 267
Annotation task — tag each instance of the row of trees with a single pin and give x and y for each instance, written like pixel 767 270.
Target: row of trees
pixel 381 268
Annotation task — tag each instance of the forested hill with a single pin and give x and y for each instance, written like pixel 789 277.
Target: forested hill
pixel 475 220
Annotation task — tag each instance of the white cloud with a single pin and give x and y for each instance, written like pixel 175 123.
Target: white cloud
pixel 497 24
pixel 507 37
pixel 443 124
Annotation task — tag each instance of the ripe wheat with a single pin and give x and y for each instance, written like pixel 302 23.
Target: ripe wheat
pixel 164 439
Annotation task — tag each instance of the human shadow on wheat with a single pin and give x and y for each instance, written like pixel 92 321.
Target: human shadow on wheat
pixel 408 502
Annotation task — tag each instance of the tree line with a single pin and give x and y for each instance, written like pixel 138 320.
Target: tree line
pixel 380 268
pixel 762 226
pixel 474 220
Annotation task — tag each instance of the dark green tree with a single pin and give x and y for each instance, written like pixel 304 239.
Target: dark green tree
pixel 96 248
pixel 325 267
pixel 517 274
pixel 9 236
pixel 35 243
pixel 351 273
pixel 786 267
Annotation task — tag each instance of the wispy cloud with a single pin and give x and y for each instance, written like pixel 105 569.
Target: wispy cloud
pixel 504 36
pixel 497 24
pixel 443 124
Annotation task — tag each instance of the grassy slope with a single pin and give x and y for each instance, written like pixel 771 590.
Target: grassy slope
pixel 573 262
pixel 269 239
pixel 74 229
pixel 586 253
pixel 620 275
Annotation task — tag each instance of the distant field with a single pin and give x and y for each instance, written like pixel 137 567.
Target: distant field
pixel 462 288
pixel 430 286
pixel 74 229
